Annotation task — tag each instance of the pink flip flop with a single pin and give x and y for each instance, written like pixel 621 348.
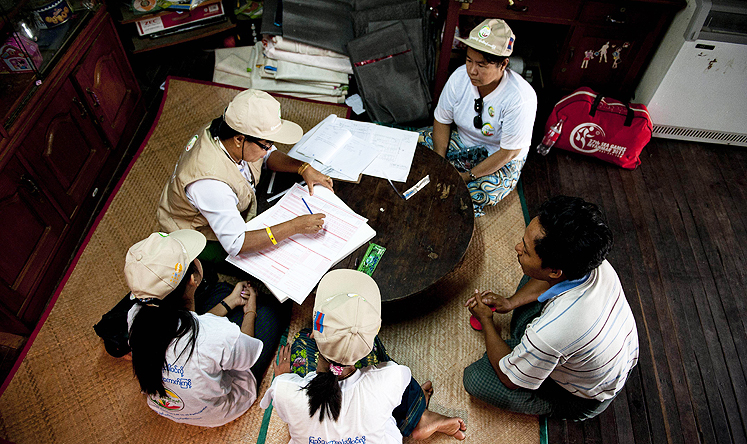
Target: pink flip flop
pixel 474 323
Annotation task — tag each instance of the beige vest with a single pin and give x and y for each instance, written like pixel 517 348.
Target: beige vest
pixel 204 159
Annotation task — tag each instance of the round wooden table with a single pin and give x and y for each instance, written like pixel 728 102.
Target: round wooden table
pixel 425 237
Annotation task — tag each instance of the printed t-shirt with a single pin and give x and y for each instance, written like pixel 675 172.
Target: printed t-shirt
pixel 508 112
pixel 368 398
pixel 215 385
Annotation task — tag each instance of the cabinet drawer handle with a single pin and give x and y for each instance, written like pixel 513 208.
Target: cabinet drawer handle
pixel 514 7
pixel 94 97
pixel 571 53
pixel 617 21
pixel 81 107
pixel 30 185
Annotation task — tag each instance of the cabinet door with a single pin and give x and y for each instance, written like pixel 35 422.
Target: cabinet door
pixel 606 49
pixel 31 231
pixel 106 80
pixel 65 149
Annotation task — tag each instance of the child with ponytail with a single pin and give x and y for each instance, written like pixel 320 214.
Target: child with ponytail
pixel 348 389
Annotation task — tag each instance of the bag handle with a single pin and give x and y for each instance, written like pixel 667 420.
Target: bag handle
pixel 595 104
pixel 628 118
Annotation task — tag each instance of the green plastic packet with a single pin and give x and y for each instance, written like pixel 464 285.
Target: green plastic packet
pixel 371 258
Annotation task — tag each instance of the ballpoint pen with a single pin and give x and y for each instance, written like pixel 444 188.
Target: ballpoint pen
pixel 307 206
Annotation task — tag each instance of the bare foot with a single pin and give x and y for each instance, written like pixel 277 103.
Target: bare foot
pixel 427 391
pixel 432 422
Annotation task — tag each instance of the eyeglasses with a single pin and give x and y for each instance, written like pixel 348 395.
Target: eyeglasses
pixel 263 146
pixel 478 109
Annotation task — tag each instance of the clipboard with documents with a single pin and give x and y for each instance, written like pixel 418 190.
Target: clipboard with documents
pixel 292 268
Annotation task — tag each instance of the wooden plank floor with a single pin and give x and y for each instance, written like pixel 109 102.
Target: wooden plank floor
pixel 680 226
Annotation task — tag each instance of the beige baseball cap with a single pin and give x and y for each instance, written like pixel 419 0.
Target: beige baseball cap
pixel 347 315
pixel 255 113
pixel 492 36
pixel 155 266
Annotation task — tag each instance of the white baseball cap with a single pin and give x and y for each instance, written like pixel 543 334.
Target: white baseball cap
pixel 347 315
pixel 492 36
pixel 155 265
pixel 256 113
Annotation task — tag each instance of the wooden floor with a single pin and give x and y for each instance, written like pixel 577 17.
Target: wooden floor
pixel 680 226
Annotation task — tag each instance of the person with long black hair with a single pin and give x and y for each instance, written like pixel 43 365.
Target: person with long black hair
pixel 348 389
pixel 194 369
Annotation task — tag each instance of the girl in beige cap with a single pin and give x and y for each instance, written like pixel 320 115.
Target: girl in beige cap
pixel 492 109
pixel 198 369
pixel 212 187
pixel 354 392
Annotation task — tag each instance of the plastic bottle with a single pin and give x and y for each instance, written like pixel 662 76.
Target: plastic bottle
pixel 551 137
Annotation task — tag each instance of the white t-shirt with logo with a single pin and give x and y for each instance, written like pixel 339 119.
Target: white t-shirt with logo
pixel 508 112
pixel 214 386
pixel 368 398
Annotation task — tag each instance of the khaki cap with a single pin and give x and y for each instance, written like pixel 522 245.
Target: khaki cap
pixel 155 266
pixel 255 113
pixel 492 36
pixel 347 316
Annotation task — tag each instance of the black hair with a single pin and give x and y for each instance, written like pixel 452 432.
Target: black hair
pixel 153 330
pixel 576 238
pixel 220 129
pixel 324 395
pixel 491 58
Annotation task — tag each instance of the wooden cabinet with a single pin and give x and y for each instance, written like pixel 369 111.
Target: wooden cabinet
pixel 622 34
pixel 57 158
pixel 608 47
pixel 108 84
pixel 65 149
pixel 32 229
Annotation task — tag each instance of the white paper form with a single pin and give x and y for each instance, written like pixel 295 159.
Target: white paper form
pixel 324 143
pixel 395 148
pixel 295 265
pixel 334 151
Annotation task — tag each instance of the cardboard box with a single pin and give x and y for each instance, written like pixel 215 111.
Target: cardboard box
pixel 13 55
pixel 177 19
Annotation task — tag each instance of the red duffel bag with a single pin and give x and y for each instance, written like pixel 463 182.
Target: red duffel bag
pixel 604 128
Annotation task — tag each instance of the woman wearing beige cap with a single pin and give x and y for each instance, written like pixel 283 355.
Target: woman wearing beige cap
pixel 350 390
pixel 194 369
pixel 493 109
pixel 212 187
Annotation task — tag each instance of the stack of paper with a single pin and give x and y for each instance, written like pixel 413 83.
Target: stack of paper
pixel 293 267
pixel 343 149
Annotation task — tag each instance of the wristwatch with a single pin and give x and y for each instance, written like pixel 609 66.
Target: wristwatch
pixel 472 176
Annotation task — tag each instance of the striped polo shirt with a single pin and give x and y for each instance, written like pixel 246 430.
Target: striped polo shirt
pixel 585 339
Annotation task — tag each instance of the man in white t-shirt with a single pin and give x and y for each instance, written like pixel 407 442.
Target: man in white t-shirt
pixel 573 336
pixel 493 109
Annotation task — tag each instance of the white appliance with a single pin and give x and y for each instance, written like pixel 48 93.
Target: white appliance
pixel 696 86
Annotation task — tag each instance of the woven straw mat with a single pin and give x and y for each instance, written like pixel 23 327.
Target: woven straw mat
pixel 69 390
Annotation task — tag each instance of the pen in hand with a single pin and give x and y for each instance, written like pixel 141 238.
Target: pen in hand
pixel 307 206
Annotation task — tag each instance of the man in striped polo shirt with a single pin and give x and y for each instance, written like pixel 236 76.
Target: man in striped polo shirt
pixel 573 337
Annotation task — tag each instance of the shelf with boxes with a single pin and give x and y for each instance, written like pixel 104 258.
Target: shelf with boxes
pixel 151 26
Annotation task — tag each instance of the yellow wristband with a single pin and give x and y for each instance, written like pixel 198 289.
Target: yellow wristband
pixel 272 238
pixel 302 168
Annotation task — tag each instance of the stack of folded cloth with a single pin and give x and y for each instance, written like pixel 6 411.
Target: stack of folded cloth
pixel 283 66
